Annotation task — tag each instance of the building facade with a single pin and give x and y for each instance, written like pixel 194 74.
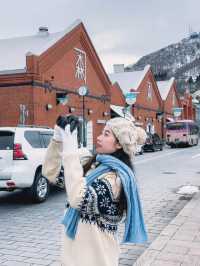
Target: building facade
pixel 188 111
pixel 44 78
pixel 170 100
pixel 148 101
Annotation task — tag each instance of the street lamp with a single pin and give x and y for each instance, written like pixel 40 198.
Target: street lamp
pixel 83 91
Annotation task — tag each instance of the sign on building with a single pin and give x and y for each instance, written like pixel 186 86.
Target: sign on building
pixel 80 67
pixel 23 114
pixel 177 111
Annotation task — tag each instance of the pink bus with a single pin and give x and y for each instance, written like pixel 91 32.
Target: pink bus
pixel 182 133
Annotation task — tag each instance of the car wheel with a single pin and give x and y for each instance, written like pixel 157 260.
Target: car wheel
pixel 153 149
pixel 40 188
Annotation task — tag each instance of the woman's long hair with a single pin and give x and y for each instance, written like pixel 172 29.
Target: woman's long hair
pixel 122 156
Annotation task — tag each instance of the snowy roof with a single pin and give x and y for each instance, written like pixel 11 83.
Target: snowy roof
pixel 13 51
pixel 196 93
pixel 164 87
pixel 129 80
pixel 120 111
pixel 195 101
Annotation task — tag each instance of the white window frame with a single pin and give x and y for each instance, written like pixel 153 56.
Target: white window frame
pixel 173 99
pixel 149 90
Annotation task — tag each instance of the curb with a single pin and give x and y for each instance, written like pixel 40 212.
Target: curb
pixel 179 242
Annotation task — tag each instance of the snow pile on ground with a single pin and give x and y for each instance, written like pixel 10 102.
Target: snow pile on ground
pixel 189 190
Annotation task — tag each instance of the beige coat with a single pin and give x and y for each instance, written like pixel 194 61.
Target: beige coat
pixel 91 246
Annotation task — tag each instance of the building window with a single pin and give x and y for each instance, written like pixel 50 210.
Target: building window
pixel 149 91
pixel 173 99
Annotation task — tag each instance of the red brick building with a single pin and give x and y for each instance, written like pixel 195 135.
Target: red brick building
pixel 170 100
pixel 118 103
pixel 148 102
pixel 188 107
pixel 40 76
pixel 117 96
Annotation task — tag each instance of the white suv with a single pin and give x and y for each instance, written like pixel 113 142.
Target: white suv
pixel 22 151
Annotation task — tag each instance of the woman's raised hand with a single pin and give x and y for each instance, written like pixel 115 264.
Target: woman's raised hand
pixel 57 136
pixel 69 139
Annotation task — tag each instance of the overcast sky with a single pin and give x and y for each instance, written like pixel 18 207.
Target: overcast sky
pixel 122 31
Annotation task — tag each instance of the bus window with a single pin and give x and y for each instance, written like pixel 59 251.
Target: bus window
pixel 176 126
pixel 196 129
pixel 193 129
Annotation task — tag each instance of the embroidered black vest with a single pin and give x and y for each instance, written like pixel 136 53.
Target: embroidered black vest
pixel 99 206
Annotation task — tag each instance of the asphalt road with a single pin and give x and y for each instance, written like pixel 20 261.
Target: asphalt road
pixel 30 233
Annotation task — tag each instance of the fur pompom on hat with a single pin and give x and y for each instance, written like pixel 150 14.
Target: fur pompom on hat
pixel 128 135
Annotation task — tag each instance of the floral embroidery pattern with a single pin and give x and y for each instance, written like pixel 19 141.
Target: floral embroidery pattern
pixel 99 207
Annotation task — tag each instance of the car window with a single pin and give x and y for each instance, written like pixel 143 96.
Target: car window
pixel 6 140
pixel 33 138
pixel 46 137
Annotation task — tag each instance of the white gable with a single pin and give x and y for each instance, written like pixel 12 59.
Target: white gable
pixel 120 111
pixel 164 87
pixel 129 80
pixel 13 51
pixel 196 93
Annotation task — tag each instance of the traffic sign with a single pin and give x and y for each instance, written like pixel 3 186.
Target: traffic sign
pixel 177 111
pixel 130 97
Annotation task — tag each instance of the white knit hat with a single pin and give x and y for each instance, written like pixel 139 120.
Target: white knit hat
pixel 128 135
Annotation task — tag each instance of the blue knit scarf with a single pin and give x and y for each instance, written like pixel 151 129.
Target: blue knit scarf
pixel 135 231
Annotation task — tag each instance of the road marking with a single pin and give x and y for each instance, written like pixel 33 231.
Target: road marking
pixel 195 156
pixel 157 157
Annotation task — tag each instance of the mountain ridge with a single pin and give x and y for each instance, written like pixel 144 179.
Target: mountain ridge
pixel 180 60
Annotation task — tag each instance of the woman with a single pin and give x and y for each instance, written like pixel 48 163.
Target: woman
pixel 98 194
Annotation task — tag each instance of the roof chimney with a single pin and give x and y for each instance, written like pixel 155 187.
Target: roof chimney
pixel 43 31
pixel 118 68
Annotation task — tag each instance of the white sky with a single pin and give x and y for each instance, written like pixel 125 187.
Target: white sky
pixel 122 31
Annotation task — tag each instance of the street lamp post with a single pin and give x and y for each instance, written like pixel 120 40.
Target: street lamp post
pixel 83 91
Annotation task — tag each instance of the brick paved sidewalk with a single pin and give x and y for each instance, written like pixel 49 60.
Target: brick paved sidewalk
pixel 179 243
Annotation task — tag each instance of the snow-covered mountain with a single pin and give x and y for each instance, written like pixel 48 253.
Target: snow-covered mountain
pixel 180 60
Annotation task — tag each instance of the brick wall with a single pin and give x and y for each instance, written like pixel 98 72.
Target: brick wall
pixel 57 65
pixel 10 100
pixel 117 97
pixel 145 108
